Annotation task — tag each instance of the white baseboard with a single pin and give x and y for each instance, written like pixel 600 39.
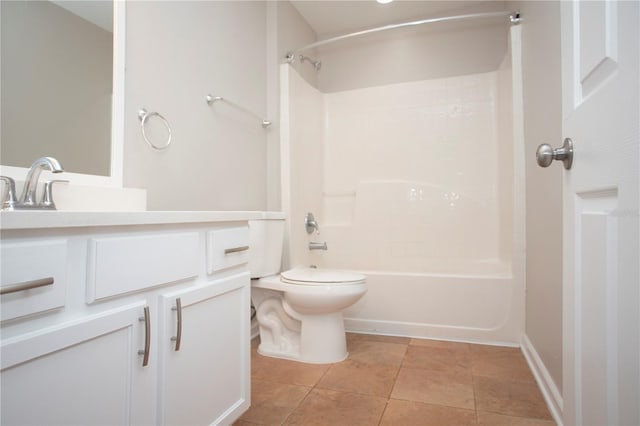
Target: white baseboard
pixel 549 390
pixel 429 331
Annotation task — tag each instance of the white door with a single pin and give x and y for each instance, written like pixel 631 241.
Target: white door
pixel 600 79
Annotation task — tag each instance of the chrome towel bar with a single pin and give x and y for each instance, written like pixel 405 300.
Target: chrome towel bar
pixel 211 99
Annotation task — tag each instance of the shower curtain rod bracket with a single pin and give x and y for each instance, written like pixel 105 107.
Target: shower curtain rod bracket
pixel 290 57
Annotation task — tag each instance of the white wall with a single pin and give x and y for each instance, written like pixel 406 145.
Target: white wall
pixel 286 30
pixel 420 53
pixel 543 124
pixel 178 52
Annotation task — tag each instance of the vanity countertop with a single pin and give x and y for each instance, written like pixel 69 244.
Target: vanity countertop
pixel 74 219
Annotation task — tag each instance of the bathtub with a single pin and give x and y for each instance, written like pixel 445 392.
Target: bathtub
pixel 481 307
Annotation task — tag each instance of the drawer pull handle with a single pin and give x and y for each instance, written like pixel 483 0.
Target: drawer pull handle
pixel 178 337
pixel 236 249
pixel 147 336
pixel 26 285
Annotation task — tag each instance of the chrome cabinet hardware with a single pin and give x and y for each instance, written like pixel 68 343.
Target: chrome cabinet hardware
pixel 545 154
pixel 26 285
pixel 236 249
pixel 147 337
pixel 178 337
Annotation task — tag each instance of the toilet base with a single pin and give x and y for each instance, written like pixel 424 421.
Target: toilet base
pixel 321 340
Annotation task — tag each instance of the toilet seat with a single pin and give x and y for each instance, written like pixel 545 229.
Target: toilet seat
pixel 313 276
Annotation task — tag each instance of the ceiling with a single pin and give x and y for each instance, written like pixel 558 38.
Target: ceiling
pixel 333 17
pixel 97 12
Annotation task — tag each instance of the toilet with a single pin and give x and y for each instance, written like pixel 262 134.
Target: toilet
pixel 299 311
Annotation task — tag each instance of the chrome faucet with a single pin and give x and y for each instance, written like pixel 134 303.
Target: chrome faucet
pixel 310 224
pixel 31 183
pixel 9 201
pixel 27 199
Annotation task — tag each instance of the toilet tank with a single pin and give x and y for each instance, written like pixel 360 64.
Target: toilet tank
pixel 265 241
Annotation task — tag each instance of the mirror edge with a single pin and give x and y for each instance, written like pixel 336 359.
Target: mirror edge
pixel 118 102
pixel 115 180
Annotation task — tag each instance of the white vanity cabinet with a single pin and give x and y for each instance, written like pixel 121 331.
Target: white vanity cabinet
pixel 78 359
pixel 84 371
pixel 204 370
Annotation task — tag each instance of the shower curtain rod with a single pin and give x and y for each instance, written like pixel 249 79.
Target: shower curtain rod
pixel 514 17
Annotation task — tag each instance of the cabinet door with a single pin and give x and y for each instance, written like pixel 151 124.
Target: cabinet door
pixel 81 372
pixel 207 380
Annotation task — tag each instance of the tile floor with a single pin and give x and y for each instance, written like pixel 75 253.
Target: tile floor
pixel 398 381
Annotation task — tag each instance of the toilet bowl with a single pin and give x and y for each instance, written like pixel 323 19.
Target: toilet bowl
pixel 299 311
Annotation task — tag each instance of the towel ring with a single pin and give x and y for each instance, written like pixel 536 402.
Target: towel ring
pixel 144 115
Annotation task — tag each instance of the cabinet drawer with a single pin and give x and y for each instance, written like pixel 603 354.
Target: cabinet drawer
pixel 125 264
pixel 37 274
pixel 227 248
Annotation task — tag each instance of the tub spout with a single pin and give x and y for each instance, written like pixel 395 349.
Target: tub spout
pixel 318 246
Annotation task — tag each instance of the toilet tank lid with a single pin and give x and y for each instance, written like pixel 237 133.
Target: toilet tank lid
pixel 325 276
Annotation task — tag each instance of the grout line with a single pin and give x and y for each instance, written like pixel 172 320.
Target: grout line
pixel 473 386
pixel 297 406
pixel 395 380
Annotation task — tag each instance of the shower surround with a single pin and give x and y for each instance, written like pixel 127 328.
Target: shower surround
pixel 419 186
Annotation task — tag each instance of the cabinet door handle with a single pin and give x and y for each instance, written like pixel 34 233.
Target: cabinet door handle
pixel 147 337
pixel 26 285
pixel 236 249
pixel 178 337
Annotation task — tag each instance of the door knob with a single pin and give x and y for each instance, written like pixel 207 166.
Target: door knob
pixel 545 154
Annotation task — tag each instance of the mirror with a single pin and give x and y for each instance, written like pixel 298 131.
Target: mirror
pixel 62 87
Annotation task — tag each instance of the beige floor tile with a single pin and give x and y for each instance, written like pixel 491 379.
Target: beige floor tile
pixel 377 338
pixel 434 387
pixel 442 344
pixel 327 407
pixel 357 377
pixel 500 362
pixel 512 398
pixel 271 403
pixel 454 359
pixel 409 413
pixel 285 371
pixel 371 352
pixel 241 422
pixel 492 419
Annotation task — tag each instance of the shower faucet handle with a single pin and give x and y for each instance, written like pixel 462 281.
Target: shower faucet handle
pixel 310 224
